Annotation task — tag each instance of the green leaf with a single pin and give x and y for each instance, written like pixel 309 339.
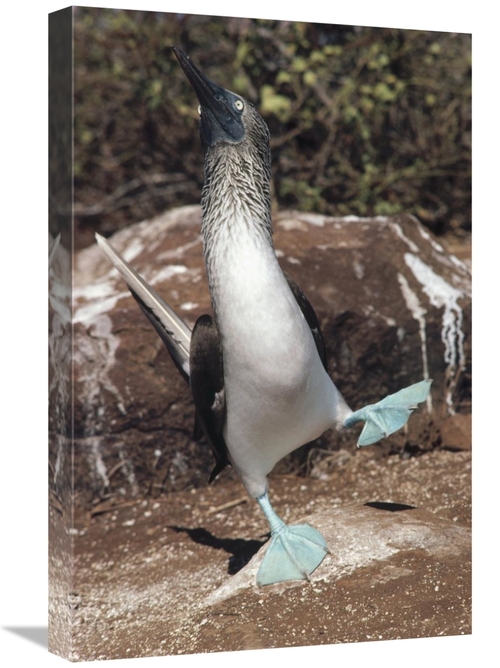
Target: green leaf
pixel 273 103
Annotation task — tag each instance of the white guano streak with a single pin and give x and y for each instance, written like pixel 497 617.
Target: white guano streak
pixel 399 232
pixel 443 295
pixel 418 312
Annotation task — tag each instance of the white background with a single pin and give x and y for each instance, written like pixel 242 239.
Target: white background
pixel 23 327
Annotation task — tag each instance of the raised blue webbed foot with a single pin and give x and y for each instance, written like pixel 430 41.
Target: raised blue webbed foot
pixel 294 551
pixel 389 414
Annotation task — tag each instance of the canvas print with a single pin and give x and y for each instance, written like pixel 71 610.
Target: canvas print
pixel 260 334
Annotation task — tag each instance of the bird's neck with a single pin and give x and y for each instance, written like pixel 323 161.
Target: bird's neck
pixel 236 211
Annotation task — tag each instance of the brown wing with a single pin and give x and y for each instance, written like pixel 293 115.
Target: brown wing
pixel 207 388
pixel 310 316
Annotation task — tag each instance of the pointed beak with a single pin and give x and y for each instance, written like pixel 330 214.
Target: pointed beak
pixel 219 120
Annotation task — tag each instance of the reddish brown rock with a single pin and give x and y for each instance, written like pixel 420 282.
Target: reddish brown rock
pixel 456 432
pixel 393 305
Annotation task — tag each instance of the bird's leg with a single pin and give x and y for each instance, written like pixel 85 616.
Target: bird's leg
pixel 294 551
pixel 389 414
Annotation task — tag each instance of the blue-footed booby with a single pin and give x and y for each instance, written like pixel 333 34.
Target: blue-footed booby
pixel 257 371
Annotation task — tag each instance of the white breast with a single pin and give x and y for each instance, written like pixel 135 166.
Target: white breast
pixel 278 394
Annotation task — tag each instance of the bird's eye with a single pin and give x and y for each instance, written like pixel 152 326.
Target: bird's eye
pixel 199 109
pixel 238 104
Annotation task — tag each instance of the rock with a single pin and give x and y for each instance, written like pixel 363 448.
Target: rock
pixel 393 305
pixel 175 575
pixel 391 575
pixel 456 432
pixel 364 541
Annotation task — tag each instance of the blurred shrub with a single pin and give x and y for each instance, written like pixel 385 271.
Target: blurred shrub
pixel 363 121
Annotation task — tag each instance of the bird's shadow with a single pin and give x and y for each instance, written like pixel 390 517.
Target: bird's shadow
pixel 240 549
pixel 391 507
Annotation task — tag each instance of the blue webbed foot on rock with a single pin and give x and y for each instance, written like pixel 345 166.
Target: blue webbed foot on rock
pixel 294 551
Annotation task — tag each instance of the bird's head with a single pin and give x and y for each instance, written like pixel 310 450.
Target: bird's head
pixel 225 118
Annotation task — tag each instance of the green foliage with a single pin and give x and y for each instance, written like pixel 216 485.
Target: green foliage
pixel 272 103
pixel 363 121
